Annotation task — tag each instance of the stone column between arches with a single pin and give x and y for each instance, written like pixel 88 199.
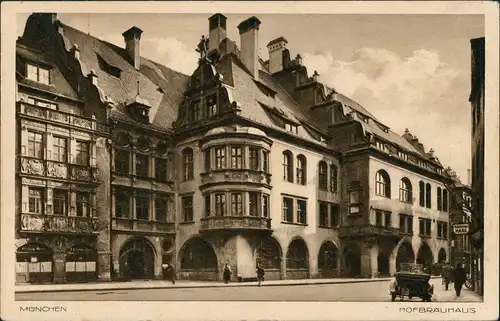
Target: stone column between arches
pixel 238 252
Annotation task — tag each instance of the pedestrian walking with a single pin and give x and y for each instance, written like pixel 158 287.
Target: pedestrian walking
pixel 445 275
pixel 171 273
pixel 459 277
pixel 260 274
pixel 227 273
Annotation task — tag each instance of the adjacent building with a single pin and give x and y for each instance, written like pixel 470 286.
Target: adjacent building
pixel 477 103
pixel 245 161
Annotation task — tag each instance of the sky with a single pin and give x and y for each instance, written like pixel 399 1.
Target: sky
pixel 409 71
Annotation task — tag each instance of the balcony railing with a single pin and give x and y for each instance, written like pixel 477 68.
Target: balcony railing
pixel 235 223
pixel 41 167
pixel 235 175
pixel 40 223
pixel 136 225
pixel 368 230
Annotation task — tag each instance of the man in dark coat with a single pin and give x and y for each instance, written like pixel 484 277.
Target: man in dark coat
pixel 459 277
pixel 260 273
pixel 445 275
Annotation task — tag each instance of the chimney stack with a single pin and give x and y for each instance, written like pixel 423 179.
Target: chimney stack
pixel 276 48
pixel 132 44
pixel 216 31
pixel 249 35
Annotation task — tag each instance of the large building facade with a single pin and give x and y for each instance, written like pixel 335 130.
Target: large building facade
pixel 245 161
pixel 477 103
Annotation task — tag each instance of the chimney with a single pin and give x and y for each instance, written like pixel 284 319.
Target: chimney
pixel 217 31
pixel 132 44
pixel 276 48
pixel 249 39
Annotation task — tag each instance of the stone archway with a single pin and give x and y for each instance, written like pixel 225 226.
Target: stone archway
pixel 198 260
pixel 404 254
pixel 328 260
pixel 269 255
pixel 297 260
pixel 34 264
pixel 425 256
pixel 352 260
pixel 442 256
pixel 137 259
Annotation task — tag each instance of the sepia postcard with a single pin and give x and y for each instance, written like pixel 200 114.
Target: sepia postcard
pixel 250 160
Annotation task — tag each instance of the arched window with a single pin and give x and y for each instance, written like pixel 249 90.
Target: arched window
pixel 439 200
pixel 122 153
pixel 405 190
pixel 142 157
pixel 428 195
pixel 323 176
pixel 187 161
pixel 288 166
pixel 161 162
pixel 301 169
pixel 382 184
pixel 421 195
pixel 334 173
pixel 445 200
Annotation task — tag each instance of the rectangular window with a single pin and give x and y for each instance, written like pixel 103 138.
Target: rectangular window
pixel 211 106
pixel 187 208
pixel 220 157
pixel 253 204
pixel 265 161
pixel 36 200
pixel 378 218
pixel 302 211
pixel 442 231
pixel 35 145
pixel 142 165
pixel 387 219
pixel 59 149
pixel 323 214
pixel 122 204
pixel 60 200
pixel 160 169
pixel 161 208
pixel 38 74
pixel 220 204
pixel 322 176
pixel 333 178
pixel 254 158
pixel 265 205
pixel 428 192
pixel 334 215
pixel 236 204
pixel 421 190
pixel 406 224
pixel 208 207
pixel 287 209
pixel 122 161
pixel 206 159
pixel 142 208
pixel 236 157
pixel 82 153
pixel 82 204
pixel 424 227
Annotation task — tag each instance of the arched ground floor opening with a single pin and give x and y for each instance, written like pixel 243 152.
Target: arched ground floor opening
pixel 137 259
pixel 198 260
pixel 442 256
pixel 404 255
pixel 383 264
pixel 268 254
pixel 328 256
pixel 425 256
pixel 297 260
pixel 81 264
pixel 352 260
pixel 34 264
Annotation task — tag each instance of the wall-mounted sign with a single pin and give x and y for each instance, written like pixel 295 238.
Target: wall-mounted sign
pixel 460 229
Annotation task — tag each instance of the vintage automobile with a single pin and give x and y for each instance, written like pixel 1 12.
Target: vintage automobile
pixel 411 282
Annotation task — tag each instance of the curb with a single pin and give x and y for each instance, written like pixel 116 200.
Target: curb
pixel 207 286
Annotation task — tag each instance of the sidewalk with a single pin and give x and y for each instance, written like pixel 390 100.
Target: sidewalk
pixel 29 288
pixel 441 295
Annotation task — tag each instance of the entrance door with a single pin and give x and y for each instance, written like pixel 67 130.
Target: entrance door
pixel 137 259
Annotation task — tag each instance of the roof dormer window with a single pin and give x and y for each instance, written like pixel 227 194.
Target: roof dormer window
pixel 38 74
pixel 292 128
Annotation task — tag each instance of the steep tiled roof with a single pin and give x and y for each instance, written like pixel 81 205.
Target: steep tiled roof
pixel 253 101
pixel 59 85
pixel 157 84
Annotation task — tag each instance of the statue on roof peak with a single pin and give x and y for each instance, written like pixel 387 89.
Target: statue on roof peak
pixel 203 46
